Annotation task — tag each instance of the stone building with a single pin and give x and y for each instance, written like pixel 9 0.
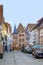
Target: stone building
pixel 19 37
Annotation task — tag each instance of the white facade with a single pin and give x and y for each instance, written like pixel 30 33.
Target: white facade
pixel 34 36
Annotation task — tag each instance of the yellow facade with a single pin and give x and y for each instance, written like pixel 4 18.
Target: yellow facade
pixel 4 29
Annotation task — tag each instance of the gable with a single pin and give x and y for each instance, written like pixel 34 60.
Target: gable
pixel 20 28
pixel 30 26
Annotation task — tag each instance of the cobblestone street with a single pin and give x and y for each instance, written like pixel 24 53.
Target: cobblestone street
pixel 19 58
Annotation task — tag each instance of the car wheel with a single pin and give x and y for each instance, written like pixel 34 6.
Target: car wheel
pixel 35 56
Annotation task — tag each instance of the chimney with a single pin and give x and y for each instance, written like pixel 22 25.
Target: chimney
pixel 1 13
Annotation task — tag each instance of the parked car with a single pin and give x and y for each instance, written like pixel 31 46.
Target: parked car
pixel 27 50
pixel 37 51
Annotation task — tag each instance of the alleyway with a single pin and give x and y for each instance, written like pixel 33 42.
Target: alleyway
pixel 19 58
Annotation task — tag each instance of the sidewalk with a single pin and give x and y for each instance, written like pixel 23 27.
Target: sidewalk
pixel 7 59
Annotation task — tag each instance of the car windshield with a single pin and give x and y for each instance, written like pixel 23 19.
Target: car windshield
pixel 38 47
pixel 27 47
pixel 40 51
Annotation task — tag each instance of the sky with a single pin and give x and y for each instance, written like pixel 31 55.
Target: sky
pixel 22 11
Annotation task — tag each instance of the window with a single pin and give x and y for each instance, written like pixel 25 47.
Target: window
pixel 19 40
pixel 18 31
pixel 22 40
pixel 23 34
pixel 20 35
pixel 22 30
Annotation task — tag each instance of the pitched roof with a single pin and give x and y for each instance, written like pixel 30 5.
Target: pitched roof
pixel 40 20
pixel 38 23
pixel 20 27
pixel 5 24
pixel 8 25
pixel 31 26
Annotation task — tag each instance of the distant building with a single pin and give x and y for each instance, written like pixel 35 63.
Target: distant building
pixel 19 36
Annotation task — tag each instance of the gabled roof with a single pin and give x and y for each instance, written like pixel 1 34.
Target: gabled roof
pixel 30 26
pixel 20 27
pixel 7 25
pixel 38 23
pixel 40 20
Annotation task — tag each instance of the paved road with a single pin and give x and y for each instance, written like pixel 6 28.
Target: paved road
pixel 19 58
pixel 7 59
pixel 27 59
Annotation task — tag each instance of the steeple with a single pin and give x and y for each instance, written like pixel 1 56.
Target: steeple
pixel 15 31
